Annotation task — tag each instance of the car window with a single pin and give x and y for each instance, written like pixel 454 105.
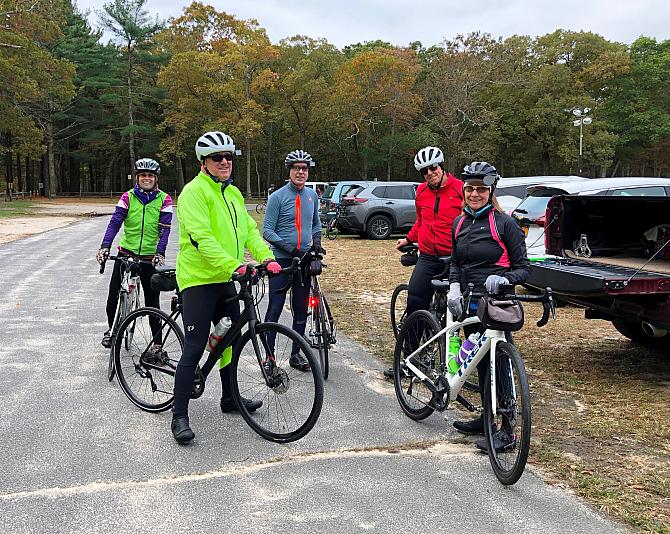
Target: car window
pixel 345 190
pixel 518 191
pixel 400 192
pixel 354 191
pixel 534 205
pixel 379 191
pixel 649 191
pixel 328 193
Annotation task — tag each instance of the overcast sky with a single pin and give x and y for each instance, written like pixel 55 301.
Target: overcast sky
pixel 400 22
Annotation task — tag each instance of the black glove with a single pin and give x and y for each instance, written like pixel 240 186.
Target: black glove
pixel 295 253
pixel 316 247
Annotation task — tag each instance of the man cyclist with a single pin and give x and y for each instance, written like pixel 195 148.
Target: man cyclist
pixel 214 231
pixel 145 212
pixel 439 200
pixel 292 227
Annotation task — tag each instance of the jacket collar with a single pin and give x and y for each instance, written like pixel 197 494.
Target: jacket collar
pixel 481 212
pixel 145 196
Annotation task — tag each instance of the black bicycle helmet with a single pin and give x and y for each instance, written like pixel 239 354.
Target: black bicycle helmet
pixel 481 171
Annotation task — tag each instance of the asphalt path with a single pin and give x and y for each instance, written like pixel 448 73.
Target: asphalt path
pixel 78 457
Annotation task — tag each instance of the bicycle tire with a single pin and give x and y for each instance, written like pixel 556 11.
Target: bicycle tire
pixel 508 464
pixel 398 311
pixel 331 229
pixel 325 339
pixel 273 419
pixel 128 335
pixel 145 376
pixel 413 395
pixel 260 207
pixel 118 319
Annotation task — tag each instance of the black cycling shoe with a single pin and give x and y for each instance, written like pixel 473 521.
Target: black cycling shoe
pixel 181 431
pixel 106 340
pixel 389 373
pixel 228 405
pixel 473 426
pixel 299 361
pixel 502 441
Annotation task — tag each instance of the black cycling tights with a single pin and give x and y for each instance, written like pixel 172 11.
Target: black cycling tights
pixel 420 291
pixel 151 297
pixel 203 306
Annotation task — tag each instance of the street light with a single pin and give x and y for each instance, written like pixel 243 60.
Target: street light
pixel 582 119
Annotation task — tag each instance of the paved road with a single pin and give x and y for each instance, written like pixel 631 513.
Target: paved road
pixel 78 457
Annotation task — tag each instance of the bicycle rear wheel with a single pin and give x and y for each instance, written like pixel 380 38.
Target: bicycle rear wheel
pixel 121 313
pixel 331 230
pixel 510 428
pixel 398 308
pixel 292 399
pixel 413 395
pixel 146 369
pixel 318 334
pixel 260 207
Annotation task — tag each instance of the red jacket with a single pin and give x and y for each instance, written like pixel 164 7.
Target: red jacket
pixel 435 214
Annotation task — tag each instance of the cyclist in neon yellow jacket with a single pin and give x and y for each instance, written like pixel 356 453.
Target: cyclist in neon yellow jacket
pixel 214 231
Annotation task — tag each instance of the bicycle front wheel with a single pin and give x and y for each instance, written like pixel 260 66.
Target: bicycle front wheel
pixel 292 398
pixel 133 304
pixel 260 208
pixel 318 335
pixel 398 308
pixel 146 369
pixel 413 395
pixel 121 313
pixel 508 432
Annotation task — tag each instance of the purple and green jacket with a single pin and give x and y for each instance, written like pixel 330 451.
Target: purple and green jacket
pixel 146 217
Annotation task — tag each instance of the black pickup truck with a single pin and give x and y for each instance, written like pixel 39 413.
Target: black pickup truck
pixel 604 248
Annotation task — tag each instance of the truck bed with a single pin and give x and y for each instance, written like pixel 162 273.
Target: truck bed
pixel 597 277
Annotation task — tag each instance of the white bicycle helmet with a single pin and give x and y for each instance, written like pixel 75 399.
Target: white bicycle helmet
pixel 213 142
pixel 430 155
pixel 147 165
pixel 298 156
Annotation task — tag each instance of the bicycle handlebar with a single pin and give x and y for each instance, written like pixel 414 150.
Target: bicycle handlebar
pixel 546 298
pixel 255 272
pixel 130 259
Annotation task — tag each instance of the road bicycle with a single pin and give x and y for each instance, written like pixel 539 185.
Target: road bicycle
pixel 263 204
pixel 423 383
pixel 321 329
pixel 292 399
pixel 438 304
pixel 332 228
pixel 128 301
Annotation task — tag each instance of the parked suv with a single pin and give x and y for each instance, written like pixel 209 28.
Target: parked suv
pixel 377 209
pixel 331 196
pixel 530 214
pixel 511 191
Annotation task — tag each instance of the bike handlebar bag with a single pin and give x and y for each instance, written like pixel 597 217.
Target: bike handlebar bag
pixel 506 315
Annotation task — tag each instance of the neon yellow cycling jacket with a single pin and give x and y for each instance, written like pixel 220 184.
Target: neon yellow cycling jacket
pixel 214 230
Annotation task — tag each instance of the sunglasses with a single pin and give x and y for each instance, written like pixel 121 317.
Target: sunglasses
pixel 218 158
pixel 425 170
pixel 298 168
pixel 481 189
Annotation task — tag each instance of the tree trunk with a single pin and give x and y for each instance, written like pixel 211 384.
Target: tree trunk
pixel 248 192
pixel 131 114
pixel 545 162
pixel 269 157
pixel 390 152
pixel 179 162
pixel 51 158
pixel 616 167
pixel 20 185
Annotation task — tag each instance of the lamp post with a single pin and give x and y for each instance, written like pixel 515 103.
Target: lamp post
pixel 582 119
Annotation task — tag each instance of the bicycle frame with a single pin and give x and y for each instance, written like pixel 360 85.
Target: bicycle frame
pixel 487 343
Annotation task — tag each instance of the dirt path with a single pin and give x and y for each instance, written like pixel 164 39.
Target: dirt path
pixel 39 216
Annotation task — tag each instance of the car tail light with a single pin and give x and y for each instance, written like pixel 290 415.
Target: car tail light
pixel 541 221
pixel 354 200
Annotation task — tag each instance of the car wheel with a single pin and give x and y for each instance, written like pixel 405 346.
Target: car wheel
pixel 379 227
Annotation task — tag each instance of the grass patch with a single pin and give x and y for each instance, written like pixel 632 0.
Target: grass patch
pixel 601 404
pixel 16 208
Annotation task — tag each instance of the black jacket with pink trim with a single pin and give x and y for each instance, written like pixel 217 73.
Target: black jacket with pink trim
pixel 489 242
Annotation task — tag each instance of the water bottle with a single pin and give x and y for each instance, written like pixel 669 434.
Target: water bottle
pixel 219 331
pixel 467 347
pixel 454 348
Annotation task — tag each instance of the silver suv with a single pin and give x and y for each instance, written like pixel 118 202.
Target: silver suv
pixel 377 209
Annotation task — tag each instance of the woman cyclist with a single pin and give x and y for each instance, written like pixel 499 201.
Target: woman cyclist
pixel 145 212
pixel 489 251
